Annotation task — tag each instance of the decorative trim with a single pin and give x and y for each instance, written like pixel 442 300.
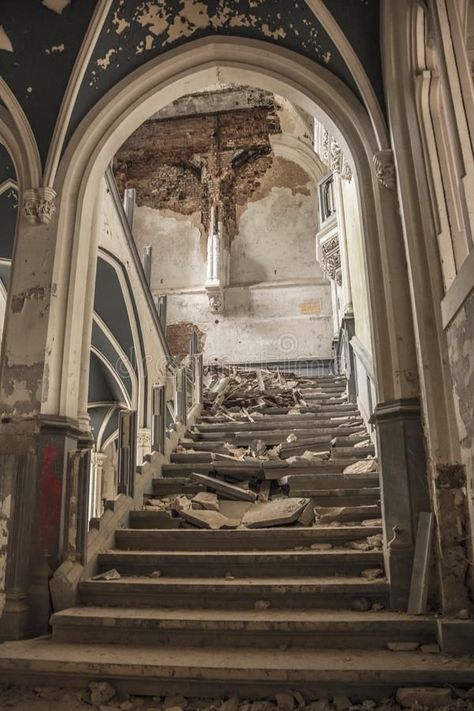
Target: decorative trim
pixel 384 165
pixel 39 205
pixel 329 257
pixel 8 184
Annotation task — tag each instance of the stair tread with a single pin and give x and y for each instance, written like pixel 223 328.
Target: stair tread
pixel 333 553
pixel 45 656
pixel 271 615
pixel 246 582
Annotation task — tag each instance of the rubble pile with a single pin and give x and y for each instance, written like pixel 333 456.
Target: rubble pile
pixel 103 696
pixel 243 464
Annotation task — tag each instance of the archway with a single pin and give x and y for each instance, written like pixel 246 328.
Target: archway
pixel 316 90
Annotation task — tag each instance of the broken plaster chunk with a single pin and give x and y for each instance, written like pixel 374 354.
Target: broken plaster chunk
pixel 231 704
pixel 101 693
pixel 208 519
pixel 341 703
pixel 364 466
pixel 205 500
pixel 274 513
pixel 372 573
pixel 285 702
pixel 222 487
pixel 262 605
pixel 108 575
pixel 431 697
pixel 361 604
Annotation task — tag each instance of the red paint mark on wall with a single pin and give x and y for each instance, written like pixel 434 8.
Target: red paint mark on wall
pixel 49 501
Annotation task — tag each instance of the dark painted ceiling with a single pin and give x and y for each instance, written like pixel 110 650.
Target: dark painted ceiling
pixel 45 43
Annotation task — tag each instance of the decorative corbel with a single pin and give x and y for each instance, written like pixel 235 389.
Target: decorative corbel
pixel 384 165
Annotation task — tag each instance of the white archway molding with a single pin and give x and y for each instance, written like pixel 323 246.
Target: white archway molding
pixel 126 399
pixel 354 65
pixel 293 149
pixel 18 137
pixel 181 71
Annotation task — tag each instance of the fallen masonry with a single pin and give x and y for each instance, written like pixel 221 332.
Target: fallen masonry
pixel 105 697
pixel 248 573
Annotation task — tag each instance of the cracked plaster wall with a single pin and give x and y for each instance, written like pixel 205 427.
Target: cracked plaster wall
pixel 461 355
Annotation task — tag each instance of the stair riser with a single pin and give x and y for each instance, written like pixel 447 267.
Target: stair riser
pixel 316 484
pixel 350 499
pixel 245 600
pixel 211 568
pixel 241 636
pixel 251 540
pixel 271 436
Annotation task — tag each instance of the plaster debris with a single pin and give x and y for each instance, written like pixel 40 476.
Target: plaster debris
pixel 430 697
pixel 55 49
pixel 208 519
pixel 274 513
pixel 5 43
pixel 108 575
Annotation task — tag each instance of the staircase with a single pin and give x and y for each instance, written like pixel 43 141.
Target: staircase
pixel 249 610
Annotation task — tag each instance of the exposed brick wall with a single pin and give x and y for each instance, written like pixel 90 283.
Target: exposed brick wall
pixel 179 338
pixel 187 163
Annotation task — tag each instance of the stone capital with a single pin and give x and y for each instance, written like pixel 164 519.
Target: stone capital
pixel 39 205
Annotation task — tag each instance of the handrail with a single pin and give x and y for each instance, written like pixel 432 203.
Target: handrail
pixel 112 185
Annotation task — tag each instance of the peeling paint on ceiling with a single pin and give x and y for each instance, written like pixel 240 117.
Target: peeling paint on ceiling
pixel 135 32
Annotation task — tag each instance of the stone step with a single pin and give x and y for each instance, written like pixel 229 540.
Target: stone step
pixel 211 445
pixel 277 414
pixel 235 469
pixel 316 482
pixel 339 497
pixel 224 672
pixel 359 452
pixel 196 593
pixel 278 469
pixel 271 436
pixel 261 423
pixel 240 564
pixel 176 485
pixel 352 513
pixel 268 629
pixel 280 539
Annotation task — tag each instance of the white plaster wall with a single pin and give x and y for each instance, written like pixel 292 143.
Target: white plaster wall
pixel 278 304
pixel 276 238
pixel 177 257
pixel 263 322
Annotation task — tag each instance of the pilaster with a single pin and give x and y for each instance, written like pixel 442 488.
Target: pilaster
pixel 404 489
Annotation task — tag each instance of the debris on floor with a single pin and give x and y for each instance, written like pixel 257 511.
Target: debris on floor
pixel 102 696
pixel 291 447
